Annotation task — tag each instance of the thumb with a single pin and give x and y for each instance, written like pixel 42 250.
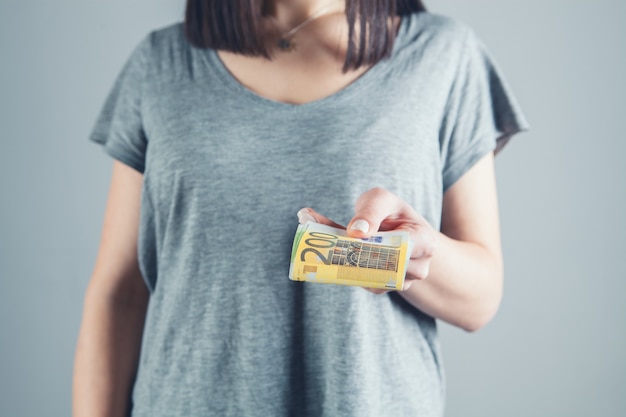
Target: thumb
pixel 371 209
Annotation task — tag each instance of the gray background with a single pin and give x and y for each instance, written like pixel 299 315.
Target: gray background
pixel 556 347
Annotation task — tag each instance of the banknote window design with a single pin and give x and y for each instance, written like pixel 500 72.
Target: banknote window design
pixel 365 255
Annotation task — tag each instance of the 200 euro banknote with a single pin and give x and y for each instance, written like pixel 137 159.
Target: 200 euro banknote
pixel 327 255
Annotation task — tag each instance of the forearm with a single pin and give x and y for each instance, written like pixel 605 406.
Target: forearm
pixel 456 276
pixel 464 286
pixel 107 355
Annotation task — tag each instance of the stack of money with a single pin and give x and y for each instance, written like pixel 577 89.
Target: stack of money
pixel 327 255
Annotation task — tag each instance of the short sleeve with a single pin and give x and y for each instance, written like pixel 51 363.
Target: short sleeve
pixel 481 114
pixel 119 127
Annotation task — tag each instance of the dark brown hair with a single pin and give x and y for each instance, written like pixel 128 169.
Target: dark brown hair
pixel 235 25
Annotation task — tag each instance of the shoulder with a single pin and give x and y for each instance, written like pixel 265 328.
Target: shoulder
pixel 434 30
pixel 163 39
pixel 433 24
pixel 437 42
pixel 167 35
pixel 157 41
pixel 166 49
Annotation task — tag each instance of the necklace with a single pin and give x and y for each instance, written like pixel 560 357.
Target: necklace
pixel 286 43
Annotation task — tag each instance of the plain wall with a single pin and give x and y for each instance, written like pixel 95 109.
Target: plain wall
pixel 558 344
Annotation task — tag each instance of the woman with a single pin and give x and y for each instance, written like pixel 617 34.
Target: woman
pixel 226 126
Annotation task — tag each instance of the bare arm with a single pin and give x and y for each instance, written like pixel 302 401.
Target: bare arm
pixel 114 309
pixel 463 262
pixel 464 285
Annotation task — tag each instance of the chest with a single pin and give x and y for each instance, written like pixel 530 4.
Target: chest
pixel 289 77
pixel 212 139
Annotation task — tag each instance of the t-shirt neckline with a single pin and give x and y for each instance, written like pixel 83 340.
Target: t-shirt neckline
pixel 229 80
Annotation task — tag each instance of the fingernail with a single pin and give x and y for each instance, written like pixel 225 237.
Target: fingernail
pixel 360 225
pixel 304 216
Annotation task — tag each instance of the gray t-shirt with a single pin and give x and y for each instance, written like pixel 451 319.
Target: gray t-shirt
pixel 225 171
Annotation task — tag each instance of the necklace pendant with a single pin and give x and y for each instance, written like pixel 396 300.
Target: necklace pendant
pixel 286 44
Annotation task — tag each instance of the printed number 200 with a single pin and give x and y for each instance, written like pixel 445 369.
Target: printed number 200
pixel 321 241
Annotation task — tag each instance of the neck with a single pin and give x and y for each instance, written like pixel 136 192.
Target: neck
pixel 289 13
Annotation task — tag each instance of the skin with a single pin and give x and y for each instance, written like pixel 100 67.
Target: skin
pixel 115 307
pixel 462 263
pixel 313 70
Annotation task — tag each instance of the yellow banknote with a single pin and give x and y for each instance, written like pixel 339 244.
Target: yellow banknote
pixel 327 255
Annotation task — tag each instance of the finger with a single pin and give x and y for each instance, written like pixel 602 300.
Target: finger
pixel 424 239
pixel 376 290
pixel 418 269
pixel 307 214
pixel 405 286
pixel 407 283
pixel 375 207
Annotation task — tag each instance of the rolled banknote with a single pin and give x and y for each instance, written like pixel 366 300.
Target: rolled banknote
pixel 327 255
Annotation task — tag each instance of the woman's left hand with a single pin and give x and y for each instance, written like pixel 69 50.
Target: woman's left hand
pixel 380 210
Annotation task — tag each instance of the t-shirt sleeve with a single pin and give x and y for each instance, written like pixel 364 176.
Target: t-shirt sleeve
pixel 481 114
pixel 119 127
